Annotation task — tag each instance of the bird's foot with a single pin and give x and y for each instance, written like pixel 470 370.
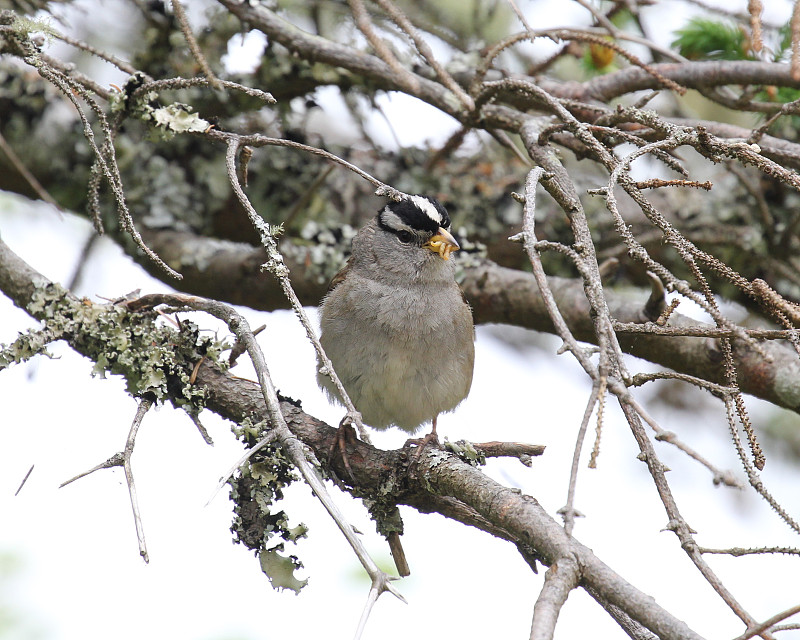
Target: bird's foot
pixel 423 443
pixel 429 440
pixel 345 435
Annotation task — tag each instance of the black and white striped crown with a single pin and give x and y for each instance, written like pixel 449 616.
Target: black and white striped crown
pixel 415 214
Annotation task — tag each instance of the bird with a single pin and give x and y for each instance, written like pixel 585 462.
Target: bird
pixel 395 324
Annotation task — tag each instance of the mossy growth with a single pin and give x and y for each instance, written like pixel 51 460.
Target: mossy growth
pixel 155 359
pixel 257 524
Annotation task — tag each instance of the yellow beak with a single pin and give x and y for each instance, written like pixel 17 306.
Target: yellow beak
pixel 442 243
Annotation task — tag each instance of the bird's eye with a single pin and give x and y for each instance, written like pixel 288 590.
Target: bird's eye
pixel 405 236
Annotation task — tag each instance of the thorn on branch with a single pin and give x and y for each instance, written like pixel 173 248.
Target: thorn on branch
pixel 201 428
pixel 239 347
pixel 114 461
pixel 657 302
pixel 398 554
pixel 244 159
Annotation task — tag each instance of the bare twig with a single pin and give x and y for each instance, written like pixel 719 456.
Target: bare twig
pixel 200 427
pixel 496 449
pixel 24 480
pixel 404 76
pixel 123 459
pixel 426 52
pixel 601 396
pixel 183 83
pixel 194 47
pixel 27 175
pixel 144 407
pixel 103 55
pixel 758 629
pixel 270 437
pixel 755 8
pixel 256 140
pixel 568 511
pixel 105 159
pixel 752 474
pixel 560 186
pixel 740 551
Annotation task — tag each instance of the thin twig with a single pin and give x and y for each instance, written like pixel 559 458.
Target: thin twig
pixel 200 427
pixel 24 480
pixel 568 511
pixel 105 160
pixel 103 55
pixel 27 175
pixel 404 77
pixel 123 459
pixel 270 437
pixel 561 188
pixel 740 551
pixel 426 52
pixel 601 404
pixel 144 407
pixel 194 47
pixel 767 624
pixel 699 331
pixel 257 140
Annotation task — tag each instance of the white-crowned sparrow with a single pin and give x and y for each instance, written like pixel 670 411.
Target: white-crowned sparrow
pixel 395 324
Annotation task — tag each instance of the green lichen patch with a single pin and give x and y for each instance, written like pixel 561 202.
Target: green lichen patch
pixel 26 346
pixel 257 523
pixel 155 359
pixel 280 569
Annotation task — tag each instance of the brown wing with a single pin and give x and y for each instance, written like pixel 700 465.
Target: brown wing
pixel 340 276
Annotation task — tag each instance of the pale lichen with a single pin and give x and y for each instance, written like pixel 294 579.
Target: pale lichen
pixel 257 523
pixel 26 346
pixel 155 359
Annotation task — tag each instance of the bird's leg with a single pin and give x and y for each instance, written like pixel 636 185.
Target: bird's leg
pixel 426 440
pixel 344 434
pixel 432 437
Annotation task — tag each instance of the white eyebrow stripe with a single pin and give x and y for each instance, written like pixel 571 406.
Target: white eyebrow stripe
pixel 425 205
pixel 391 219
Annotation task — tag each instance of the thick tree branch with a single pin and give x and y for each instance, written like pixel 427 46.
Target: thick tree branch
pixel 696 75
